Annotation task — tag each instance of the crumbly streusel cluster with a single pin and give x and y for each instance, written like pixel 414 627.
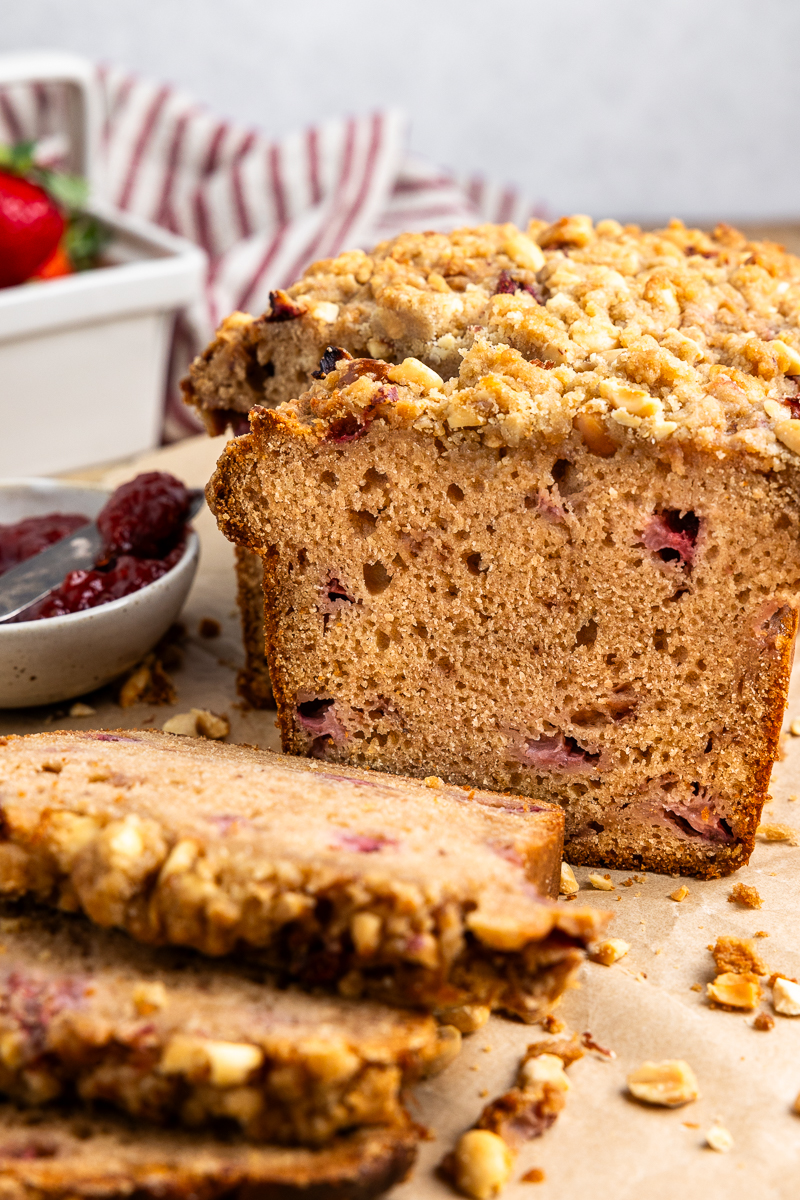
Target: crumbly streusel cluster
pixel 678 336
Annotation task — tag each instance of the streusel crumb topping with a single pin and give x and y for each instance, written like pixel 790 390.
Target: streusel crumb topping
pixel 676 336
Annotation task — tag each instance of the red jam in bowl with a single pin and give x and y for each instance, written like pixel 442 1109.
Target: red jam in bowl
pixel 143 526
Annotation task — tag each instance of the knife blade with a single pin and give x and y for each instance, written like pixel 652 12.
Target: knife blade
pixel 29 581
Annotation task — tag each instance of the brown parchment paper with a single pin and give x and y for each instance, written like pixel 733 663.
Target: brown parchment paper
pixel 603 1144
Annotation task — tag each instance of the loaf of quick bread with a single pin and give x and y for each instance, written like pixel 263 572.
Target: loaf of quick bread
pixel 569 571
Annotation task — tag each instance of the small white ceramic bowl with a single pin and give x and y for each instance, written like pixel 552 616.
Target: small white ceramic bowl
pixel 42 662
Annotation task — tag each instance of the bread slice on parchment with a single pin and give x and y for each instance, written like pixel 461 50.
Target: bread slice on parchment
pixel 435 897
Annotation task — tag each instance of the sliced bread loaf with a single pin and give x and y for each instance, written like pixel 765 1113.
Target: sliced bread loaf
pixel 424 895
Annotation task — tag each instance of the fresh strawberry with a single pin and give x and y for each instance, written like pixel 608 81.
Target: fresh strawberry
pixel 31 227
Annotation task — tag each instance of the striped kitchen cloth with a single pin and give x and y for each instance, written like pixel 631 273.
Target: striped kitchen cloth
pixel 262 210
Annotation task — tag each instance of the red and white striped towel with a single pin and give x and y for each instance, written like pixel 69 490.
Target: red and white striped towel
pixel 262 210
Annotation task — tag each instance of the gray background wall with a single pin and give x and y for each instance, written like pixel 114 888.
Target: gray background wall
pixel 642 108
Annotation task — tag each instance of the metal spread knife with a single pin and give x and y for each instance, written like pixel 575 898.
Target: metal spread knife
pixel 29 581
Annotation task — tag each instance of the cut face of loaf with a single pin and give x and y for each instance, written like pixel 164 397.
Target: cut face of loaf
pixel 50 1154
pixel 435 897
pixel 495 581
pixel 166 1038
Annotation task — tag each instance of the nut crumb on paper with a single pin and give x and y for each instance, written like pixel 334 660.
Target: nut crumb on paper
pixel 786 997
pixel 200 722
pixel 569 885
pixel 610 951
pixel 744 894
pixel 679 894
pixel 552 1024
pixel 535 1175
pixel 794 728
pixel 603 883
pixel 79 709
pixel 771 832
pixel 796 1105
pixel 764 1022
pixel 737 956
pixel 209 628
pixel 737 991
pixel 761 933
pixel 667 1084
pixel 718 1138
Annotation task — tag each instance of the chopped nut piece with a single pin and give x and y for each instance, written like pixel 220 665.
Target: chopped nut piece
pixel 764 1022
pixel 696 987
pixel 182 725
pixel 737 956
pixel 482 1164
pixel 794 728
pixel 467 1018
pixel 669 1084
pixel 569 884
pixel 601 883
pixel 198 723
pixel 365 930
pixel 761 933
pixel 680 894
pixel 786 997
pixel 745 895
pixel 543 1068
pixel 79 709
pixel 778 833
pixel 433 781
pixel 211 725
pixel 149 998
pixel 719 1139
pixel 610 951
pixel 535 1175
pixel 209 628
pixel 627 883
pixel 735 991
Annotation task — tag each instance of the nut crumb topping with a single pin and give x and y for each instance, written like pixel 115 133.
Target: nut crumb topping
pixel 668 1084
pixel 679 894
pixel 673 336
pixel 764 1022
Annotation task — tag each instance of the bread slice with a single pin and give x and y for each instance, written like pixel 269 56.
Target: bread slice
pixel 54 1155
pixel 166 1037
pixel 429 896
pixel 571 573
